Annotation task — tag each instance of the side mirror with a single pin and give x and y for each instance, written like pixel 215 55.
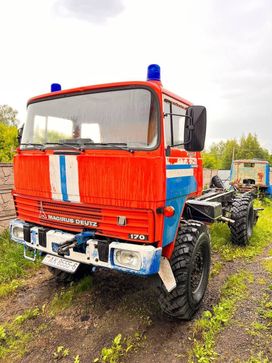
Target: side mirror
pixel 20 133
pixel 195 128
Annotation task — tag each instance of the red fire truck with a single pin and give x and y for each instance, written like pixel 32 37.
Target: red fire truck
pixel 109 176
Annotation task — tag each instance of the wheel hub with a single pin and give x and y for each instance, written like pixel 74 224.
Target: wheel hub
pixel 197 271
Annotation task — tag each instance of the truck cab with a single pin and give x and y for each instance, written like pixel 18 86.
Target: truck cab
pixel 102 175
pixel 251 174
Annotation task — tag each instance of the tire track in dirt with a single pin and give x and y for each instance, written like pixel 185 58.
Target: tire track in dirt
pixel 119 303
pixel 37 290
pixel 235 344
pixel 170 341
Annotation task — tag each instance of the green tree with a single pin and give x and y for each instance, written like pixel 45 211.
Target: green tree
pixel 210 161
pixel 8 115
pixel 8 142
pixel 230 147
pixel 220 155
pixel 217 149
pixel 250 148
pixel 8 132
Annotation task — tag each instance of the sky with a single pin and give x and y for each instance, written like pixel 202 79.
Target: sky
pixel 215 53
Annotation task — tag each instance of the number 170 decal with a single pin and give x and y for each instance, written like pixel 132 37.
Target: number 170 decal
pixel 136 236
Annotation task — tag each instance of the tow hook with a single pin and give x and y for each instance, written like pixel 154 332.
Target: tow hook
pixel 76 241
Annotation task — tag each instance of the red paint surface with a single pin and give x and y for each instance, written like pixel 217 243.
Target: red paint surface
pixel 31 174
pixel 107 179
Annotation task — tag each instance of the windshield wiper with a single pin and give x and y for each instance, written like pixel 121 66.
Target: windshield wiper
pixel 117 145
pixel 72 146
pixel 42 146
pixel 76 146
pixel 39 146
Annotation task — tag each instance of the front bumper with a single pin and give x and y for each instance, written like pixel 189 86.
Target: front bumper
pixel 149 256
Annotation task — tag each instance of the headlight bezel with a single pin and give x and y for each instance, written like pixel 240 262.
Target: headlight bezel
pixel 17 231
pixel 123 254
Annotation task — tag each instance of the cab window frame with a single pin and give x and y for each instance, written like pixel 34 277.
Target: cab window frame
pixel 172 102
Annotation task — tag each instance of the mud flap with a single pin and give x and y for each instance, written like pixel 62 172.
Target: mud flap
pixel 166 275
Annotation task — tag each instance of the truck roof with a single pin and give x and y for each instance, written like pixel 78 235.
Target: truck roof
pixel 155 85
pixel 256 161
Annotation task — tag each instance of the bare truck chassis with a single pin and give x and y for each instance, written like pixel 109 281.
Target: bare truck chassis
pixel 229 206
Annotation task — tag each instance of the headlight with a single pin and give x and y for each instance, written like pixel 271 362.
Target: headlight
pixel 130 259
pixel 18 232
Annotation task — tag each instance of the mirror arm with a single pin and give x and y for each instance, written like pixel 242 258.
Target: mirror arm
pixel 177 114
pixel 168 150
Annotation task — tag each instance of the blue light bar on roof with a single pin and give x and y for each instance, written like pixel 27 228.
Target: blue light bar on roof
pixel 55 87
pixel 154 72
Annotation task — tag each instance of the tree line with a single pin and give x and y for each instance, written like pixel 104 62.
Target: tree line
pixel 221 154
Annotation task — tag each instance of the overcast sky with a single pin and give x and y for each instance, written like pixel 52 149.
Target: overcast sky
pixel 216 53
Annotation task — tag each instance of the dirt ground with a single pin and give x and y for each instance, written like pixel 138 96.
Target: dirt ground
pixel 123 304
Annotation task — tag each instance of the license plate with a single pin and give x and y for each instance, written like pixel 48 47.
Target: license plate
pixel 61 263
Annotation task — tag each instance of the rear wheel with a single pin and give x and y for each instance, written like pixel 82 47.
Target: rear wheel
pixel 190 264
pixel 242 212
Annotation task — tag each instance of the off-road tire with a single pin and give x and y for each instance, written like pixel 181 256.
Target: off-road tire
pixel 65 277
pixel 192 248
pixel 242 213
pixel 216 182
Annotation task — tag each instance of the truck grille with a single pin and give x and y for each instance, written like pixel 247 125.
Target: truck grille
pixel 74 217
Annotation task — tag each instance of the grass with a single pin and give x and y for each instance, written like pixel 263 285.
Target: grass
pixel 267 264
pixel 28 314
pixel 216 268
pixel 14 337
pixel 13 266
pixel 256 329
pixel 212 322
pixel 10 287
pixel 265 310
pixel 119 348
pixel 61 352
pixel 260 358
pixel 65 298
pixel 261 238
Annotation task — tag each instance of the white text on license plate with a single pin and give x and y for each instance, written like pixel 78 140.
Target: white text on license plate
pixel 61 263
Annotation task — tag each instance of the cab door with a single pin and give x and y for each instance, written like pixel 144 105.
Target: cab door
pixel 180 166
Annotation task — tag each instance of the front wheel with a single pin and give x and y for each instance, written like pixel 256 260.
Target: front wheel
pixel 190 264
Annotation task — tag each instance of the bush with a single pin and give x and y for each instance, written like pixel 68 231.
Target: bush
pixel 8 142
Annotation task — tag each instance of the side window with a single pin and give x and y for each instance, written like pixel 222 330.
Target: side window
pixel 178 124
pixel 167 124
pixel 174 124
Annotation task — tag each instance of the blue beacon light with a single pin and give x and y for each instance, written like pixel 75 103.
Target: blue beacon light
pixel 55 87
pixel 154 72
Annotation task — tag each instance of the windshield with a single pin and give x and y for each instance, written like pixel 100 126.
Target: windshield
pixel 126 117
